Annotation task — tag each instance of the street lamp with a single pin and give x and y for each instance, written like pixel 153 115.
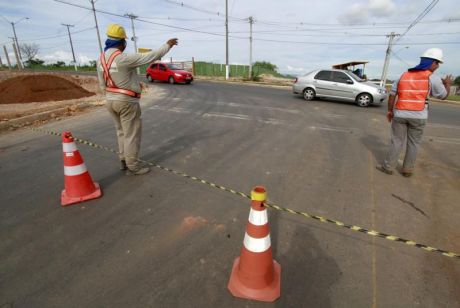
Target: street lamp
pixel 13 23
pixel 406 47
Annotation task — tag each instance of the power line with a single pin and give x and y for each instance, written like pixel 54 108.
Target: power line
pixel 56 36
pixel 372 25
pixel 340 34
pixel 419 17
pixel 353 44
pixel 203 11
pixel 141 20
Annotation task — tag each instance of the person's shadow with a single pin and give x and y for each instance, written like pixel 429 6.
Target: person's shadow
pixel 376 146
pixel 307 273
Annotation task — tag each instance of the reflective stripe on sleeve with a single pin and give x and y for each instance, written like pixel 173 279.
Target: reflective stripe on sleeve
pixel 256 244
pixel 75 170
pixel 258 218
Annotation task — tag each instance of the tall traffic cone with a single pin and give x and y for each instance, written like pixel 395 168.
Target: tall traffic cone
pixel 255 275
pixel 79 186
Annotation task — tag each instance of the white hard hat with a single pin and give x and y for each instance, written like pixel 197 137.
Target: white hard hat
pixel 433 53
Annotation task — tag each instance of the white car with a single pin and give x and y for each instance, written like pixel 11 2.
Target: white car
pixel 339 84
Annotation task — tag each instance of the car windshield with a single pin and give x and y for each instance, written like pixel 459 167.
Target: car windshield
pixel 355 77
pixel 174 67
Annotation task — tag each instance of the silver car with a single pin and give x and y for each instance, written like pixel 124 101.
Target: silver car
pixel 339 84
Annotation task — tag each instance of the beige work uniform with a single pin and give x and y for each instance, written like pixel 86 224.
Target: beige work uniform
pixel 125 110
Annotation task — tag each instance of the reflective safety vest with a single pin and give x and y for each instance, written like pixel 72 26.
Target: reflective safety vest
pixel 413 90
pixel 110 85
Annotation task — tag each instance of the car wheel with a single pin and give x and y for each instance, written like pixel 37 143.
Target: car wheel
pixel 149 78
pixel 364 100
pixel 171 80
pixel 309 94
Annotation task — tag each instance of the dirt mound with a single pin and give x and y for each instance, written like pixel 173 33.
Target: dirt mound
pixel 39 88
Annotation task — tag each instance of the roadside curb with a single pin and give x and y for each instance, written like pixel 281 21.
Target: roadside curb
pixel 46 115
pixel 247 83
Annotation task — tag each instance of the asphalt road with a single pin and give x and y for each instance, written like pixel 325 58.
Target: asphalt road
pixel 161 240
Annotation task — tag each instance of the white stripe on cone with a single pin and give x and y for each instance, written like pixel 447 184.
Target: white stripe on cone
pixel 69 147
pixel 256 244
pixel 258 218
pixel 75 170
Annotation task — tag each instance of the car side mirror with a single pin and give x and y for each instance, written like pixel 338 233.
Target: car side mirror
pixel 349 81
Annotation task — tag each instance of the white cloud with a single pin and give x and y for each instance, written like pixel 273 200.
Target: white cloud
pixel 291 69
pixel 366 12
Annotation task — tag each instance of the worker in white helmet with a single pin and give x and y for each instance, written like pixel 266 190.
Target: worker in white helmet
pixel 408 109
pixel 117 76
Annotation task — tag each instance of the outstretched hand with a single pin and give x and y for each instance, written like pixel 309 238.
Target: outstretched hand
pixel 172 42
pixel 447 81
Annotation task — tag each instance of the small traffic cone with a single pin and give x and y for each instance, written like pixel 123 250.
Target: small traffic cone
pixel 255 275
pixel 79 186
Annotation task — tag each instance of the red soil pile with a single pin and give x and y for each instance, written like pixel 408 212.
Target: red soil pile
pixel 39 88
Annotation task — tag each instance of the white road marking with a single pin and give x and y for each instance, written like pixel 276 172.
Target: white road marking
pixel 443 139
pixel 242 117
pixel 219 114
pixel 171 109
pixel 331 115
pixel 335 129
pixel 442 126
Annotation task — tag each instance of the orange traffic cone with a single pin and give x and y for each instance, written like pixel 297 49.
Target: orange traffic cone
pixel 79 186
pixel 255 275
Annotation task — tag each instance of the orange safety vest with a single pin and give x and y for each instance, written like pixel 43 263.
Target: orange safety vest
pixel 110 85
pixel 413 90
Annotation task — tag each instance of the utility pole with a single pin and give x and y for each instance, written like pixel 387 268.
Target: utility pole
pixel 251 21
pixel 15 39
pixel 97 27
pixel 383 80
pixel 134 38
pixel 7 57
pixel 18 62
pixel 227 73
pixel 71 45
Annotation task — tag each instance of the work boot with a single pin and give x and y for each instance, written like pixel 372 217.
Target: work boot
pixel 138 171
pixel 123 166
pixel 406 174
pixel 384 170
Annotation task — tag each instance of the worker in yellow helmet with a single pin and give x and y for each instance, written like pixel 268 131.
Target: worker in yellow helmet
pixel 117 76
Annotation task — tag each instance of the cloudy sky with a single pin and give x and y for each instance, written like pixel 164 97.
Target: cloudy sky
pixel 297 36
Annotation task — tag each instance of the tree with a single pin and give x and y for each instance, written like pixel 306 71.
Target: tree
pixel 35 62
pixel 457 81
pixel 29 50
pixel 266 65
pixel 59 64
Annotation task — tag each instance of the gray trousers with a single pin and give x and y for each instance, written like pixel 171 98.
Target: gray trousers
pixel 127 119
pixel 404 131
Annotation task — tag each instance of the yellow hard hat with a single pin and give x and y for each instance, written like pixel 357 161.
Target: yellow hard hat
pixel 116 31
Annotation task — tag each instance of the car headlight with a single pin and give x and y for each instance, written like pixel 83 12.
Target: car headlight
pixel 382 91
pixel 178 75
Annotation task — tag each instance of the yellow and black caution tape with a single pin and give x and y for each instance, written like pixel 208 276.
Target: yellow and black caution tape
pixel 274 206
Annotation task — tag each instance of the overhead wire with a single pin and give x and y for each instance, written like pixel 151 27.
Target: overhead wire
pixel 55 36
pixel 419 18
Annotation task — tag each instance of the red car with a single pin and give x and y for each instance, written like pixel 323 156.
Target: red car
pixel 169 72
